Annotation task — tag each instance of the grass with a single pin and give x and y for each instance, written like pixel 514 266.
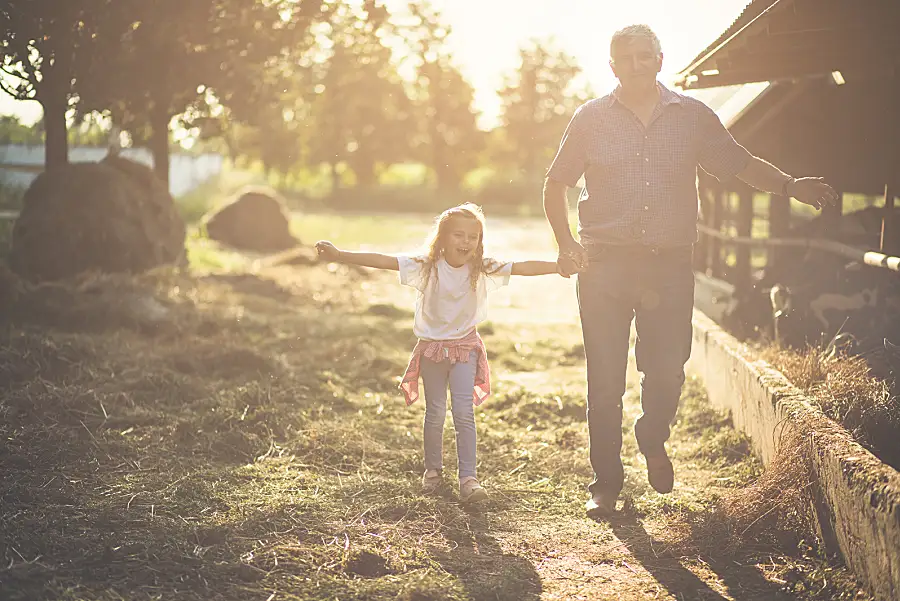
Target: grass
pixel 251 442
pixel 214 191
pixel 10 196
pixel 360 230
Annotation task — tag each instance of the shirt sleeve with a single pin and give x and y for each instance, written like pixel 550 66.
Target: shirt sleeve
pixel 412 271
pixel 496 274
pixel 569 163
pixel 720 154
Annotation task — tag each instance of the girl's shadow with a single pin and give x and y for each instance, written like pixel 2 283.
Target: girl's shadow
pixel 477 560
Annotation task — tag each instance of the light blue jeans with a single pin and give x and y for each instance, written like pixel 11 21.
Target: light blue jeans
pixel 461 377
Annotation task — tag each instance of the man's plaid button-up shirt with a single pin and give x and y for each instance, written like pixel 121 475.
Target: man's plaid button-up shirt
pixel 641 183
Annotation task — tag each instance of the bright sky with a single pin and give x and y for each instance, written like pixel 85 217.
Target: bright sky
pixel 487 34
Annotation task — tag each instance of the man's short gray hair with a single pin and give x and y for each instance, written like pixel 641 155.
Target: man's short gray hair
pixel 636 31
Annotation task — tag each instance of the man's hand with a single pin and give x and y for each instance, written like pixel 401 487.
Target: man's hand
pixel 328 252
pixel 764 176
pixel 572 258
pixel 813 191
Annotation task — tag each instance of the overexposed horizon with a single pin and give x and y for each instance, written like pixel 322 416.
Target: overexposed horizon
pixel 487 34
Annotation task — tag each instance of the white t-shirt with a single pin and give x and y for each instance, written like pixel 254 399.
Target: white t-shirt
pixel 447 307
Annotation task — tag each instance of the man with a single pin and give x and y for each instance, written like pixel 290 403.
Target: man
pixel 638 149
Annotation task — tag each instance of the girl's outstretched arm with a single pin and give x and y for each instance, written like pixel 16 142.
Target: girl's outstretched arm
pixel 534 268
pixel 329 252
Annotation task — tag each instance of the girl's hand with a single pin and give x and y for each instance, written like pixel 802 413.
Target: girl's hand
pixel 328 251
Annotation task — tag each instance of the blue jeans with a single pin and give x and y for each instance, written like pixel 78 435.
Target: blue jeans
pixel 461 377
pixel 656 289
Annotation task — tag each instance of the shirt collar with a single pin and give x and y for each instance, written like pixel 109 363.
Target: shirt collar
pixel 666 96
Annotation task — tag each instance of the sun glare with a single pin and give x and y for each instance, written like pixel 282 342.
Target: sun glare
pixel 487 34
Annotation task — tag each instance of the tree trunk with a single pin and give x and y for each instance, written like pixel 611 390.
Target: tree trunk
pixel 159 142
pixel 364 169
pixel 56 143
pixel 365 177
pixel 53 94
pixel 447 178
pixel 335 178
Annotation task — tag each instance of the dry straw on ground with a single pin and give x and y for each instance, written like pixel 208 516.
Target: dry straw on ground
pixel 770 509
pixel 228 457
pixel 89 301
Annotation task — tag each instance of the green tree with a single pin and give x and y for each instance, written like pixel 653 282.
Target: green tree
pixel 42 44
pixel 174 55
pixel 362 113
pixel 12 131
pixel 449 139
pixel 537 103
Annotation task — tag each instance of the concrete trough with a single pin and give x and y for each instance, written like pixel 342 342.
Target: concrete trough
pixel 857 495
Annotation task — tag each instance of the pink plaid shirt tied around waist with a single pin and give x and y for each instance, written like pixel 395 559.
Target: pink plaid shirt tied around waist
pixel 455 351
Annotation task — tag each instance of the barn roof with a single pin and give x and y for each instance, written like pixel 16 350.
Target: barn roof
pixel 775 40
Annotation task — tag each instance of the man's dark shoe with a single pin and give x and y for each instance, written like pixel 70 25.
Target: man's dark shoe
pixel 660 472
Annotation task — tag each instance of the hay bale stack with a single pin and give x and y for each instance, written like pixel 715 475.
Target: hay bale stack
pixel 113 216
pixel 257 220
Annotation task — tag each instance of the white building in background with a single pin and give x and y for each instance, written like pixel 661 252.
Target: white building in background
pixel 20 164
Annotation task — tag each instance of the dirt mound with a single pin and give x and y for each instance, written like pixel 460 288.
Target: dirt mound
pixel 85 302
pixel 112 216
pixel 299 256
pixel 257 220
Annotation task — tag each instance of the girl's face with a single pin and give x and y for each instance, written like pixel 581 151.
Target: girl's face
pixel 460 240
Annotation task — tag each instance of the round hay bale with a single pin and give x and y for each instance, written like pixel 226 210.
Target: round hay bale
pixel 113 216
pixel 257 220
pixel 159 204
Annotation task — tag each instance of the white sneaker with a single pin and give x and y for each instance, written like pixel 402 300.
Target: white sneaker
pixel 470 491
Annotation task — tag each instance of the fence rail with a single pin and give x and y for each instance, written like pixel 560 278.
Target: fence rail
pixel 869 257
pixel 20 164
pixel 736 240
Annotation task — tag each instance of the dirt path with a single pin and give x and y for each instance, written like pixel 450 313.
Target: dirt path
pixel 536 525
pixel 253 447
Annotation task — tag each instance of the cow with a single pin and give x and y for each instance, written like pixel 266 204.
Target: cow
pixel 809 296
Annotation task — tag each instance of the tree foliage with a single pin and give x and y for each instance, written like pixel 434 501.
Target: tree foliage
pixel 42 45
pixel 537 103
pixel 448 139
pixel 361 112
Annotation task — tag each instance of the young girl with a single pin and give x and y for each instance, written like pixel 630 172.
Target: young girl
pixel 452 278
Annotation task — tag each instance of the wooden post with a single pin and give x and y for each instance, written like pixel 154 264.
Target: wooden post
pixel 715 245
pixel 890 238
pixel 779 224
pixel 744 227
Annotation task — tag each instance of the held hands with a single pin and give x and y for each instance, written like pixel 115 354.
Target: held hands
pixel 573 258
pixel 328 252
pixel 813 191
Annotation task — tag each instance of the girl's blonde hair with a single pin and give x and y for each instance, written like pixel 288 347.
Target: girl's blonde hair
pixel 435 243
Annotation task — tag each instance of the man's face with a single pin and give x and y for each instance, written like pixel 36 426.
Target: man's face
pixel 635 63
